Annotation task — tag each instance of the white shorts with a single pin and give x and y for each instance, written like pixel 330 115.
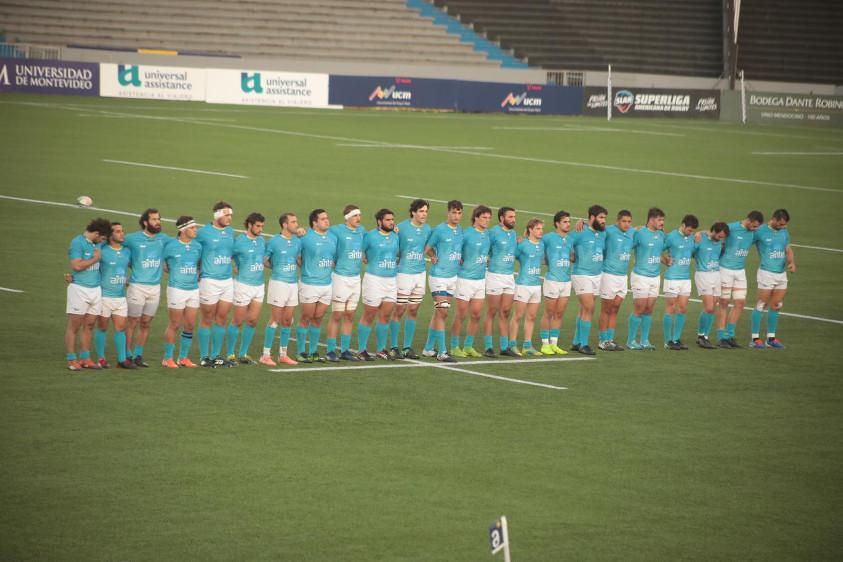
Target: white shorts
pixel 143 299
pixel 179 299
pixel 500 283
pixel 245 294
pixel 586 284
pixel 644 287
pixel 309 294
pixel 556 289
pixel 83 300
pixel 411 284
pixel 212 291
pixel 446 284
pixel 612 286
pixel 114 306
pixel 345 292
pixel 528 293
pixel 708 283
pixel 677 287
pixel 732 278
pixel 769 280
pixel 377 290
pixel 282 294
pixel 468 289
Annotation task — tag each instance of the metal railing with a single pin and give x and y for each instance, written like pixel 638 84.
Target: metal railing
pixel 566 77
pixel 30 51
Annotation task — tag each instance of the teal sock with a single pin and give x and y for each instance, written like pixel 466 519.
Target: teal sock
pixel 138 350
pixel 313 342
pixel 730 330
pixel 217 338
pixel 646 322
pixel 576 339
pixel 363 333
pixel 120 344
pixel 528 344
pixel 701 324
pixel 722 334
pixel 504 342
pixel 440 336
pixel 772 323
pixel 709 322
pixel 186 342
pixel 488 342
pixel 84 355
pixel 248 334
pixel 394 331
pixel 544 335
pixel 667 327
pixel 409 332
pixel 585 331
pixel 469 341
pixel 757 315
pixel 513 344
pixel 634 324
pixel 99 342
pixel 269 336
pixel 331 345
pixel 345 342
pixel 455 341
pixel 285 337
pixel 431 338
pixel 554 335
pixel 602 336
pixel 204 341
pixel 610 334
pixel 301 340
pixel 231 341
pixel 678 324
pixel 71 357
pixel 168 350
pixel 381 335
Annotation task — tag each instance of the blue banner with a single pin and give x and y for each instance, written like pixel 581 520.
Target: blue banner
pixel 49 77
pixel 539 99
pixel 394 92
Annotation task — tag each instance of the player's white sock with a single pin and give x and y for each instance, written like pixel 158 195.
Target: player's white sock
pixel 282 352
pixel 553 340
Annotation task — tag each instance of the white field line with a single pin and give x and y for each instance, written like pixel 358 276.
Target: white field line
pixel 575 128
pixel 191 170
pixel 470 153
pixel 798 153
pixel 450 367
pixel 791 314
pixel 540 213
pixel 732 132
pixel 817 248
pixel 10 290
pixel 358 145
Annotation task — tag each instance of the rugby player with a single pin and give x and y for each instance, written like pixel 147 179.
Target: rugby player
pixel 318 249
pixel 114 272
pixel 679 245
pixel 557 282
pixel 181 261
pixel 471 281
pixel 216 286
pixel 648 244
pixel 528 292
pixel 613 281
pixel 500 281
pixel 283 257
pixel 733 276
pixel 84 296
pixel 380 287
pixel 345 282
pixel 412 237
pixel 773 243
pixel 144 292
pixel 444 247
pixel 248 254
pixel 588 247
pixel 707 250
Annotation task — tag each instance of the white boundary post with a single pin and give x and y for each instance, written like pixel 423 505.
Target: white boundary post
pixel 500 538
pixel 743 100
pixel 609 95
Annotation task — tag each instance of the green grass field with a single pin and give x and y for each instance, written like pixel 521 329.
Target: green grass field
pixel 726 455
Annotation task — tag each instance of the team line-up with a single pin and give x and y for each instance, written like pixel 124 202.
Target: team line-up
pixel 116 277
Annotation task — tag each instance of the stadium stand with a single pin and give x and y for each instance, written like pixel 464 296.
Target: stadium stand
pixel 386 30
pixel 682 37
pixel 791 41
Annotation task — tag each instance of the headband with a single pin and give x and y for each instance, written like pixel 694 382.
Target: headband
pixel 222 212
pixel 353 213
pixel 186 225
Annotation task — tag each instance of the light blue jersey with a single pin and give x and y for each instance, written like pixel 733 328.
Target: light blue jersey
pixel 217 249
pixel 737 245
pixel 557 252
pixel 529 256
pixel 475 254
pixel 771 246
pixel 447 242
pixel 617 250
pixel 648 246
pixel 502 250
pixel 82 249
pixel 411 242
pixel 707 253
pixel 283 254
pixel 680 248
pixel 248 256
pixel 349 258
pixel 114 271
pixel 183 264
pixel 317 258
pixel 147 256
pixel 381 251
pixel 588 246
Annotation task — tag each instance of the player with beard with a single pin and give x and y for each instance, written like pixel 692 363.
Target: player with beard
pixel 380 288
pixel 679 245
pixel 144 292
pixel 283 257
pixel 614 283
pixel 733 276
pixel 588 248
pixel 500 281
pixel 249 250
pixel 318 250
pixel 216 286
pixel 773 243
pixel 114 272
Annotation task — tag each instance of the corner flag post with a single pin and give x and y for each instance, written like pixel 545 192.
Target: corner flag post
pixel 743 100
pixel 609 95
pixel 499 537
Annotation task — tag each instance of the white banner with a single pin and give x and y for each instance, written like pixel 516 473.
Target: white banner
pixel 264 87
pixel 152 82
